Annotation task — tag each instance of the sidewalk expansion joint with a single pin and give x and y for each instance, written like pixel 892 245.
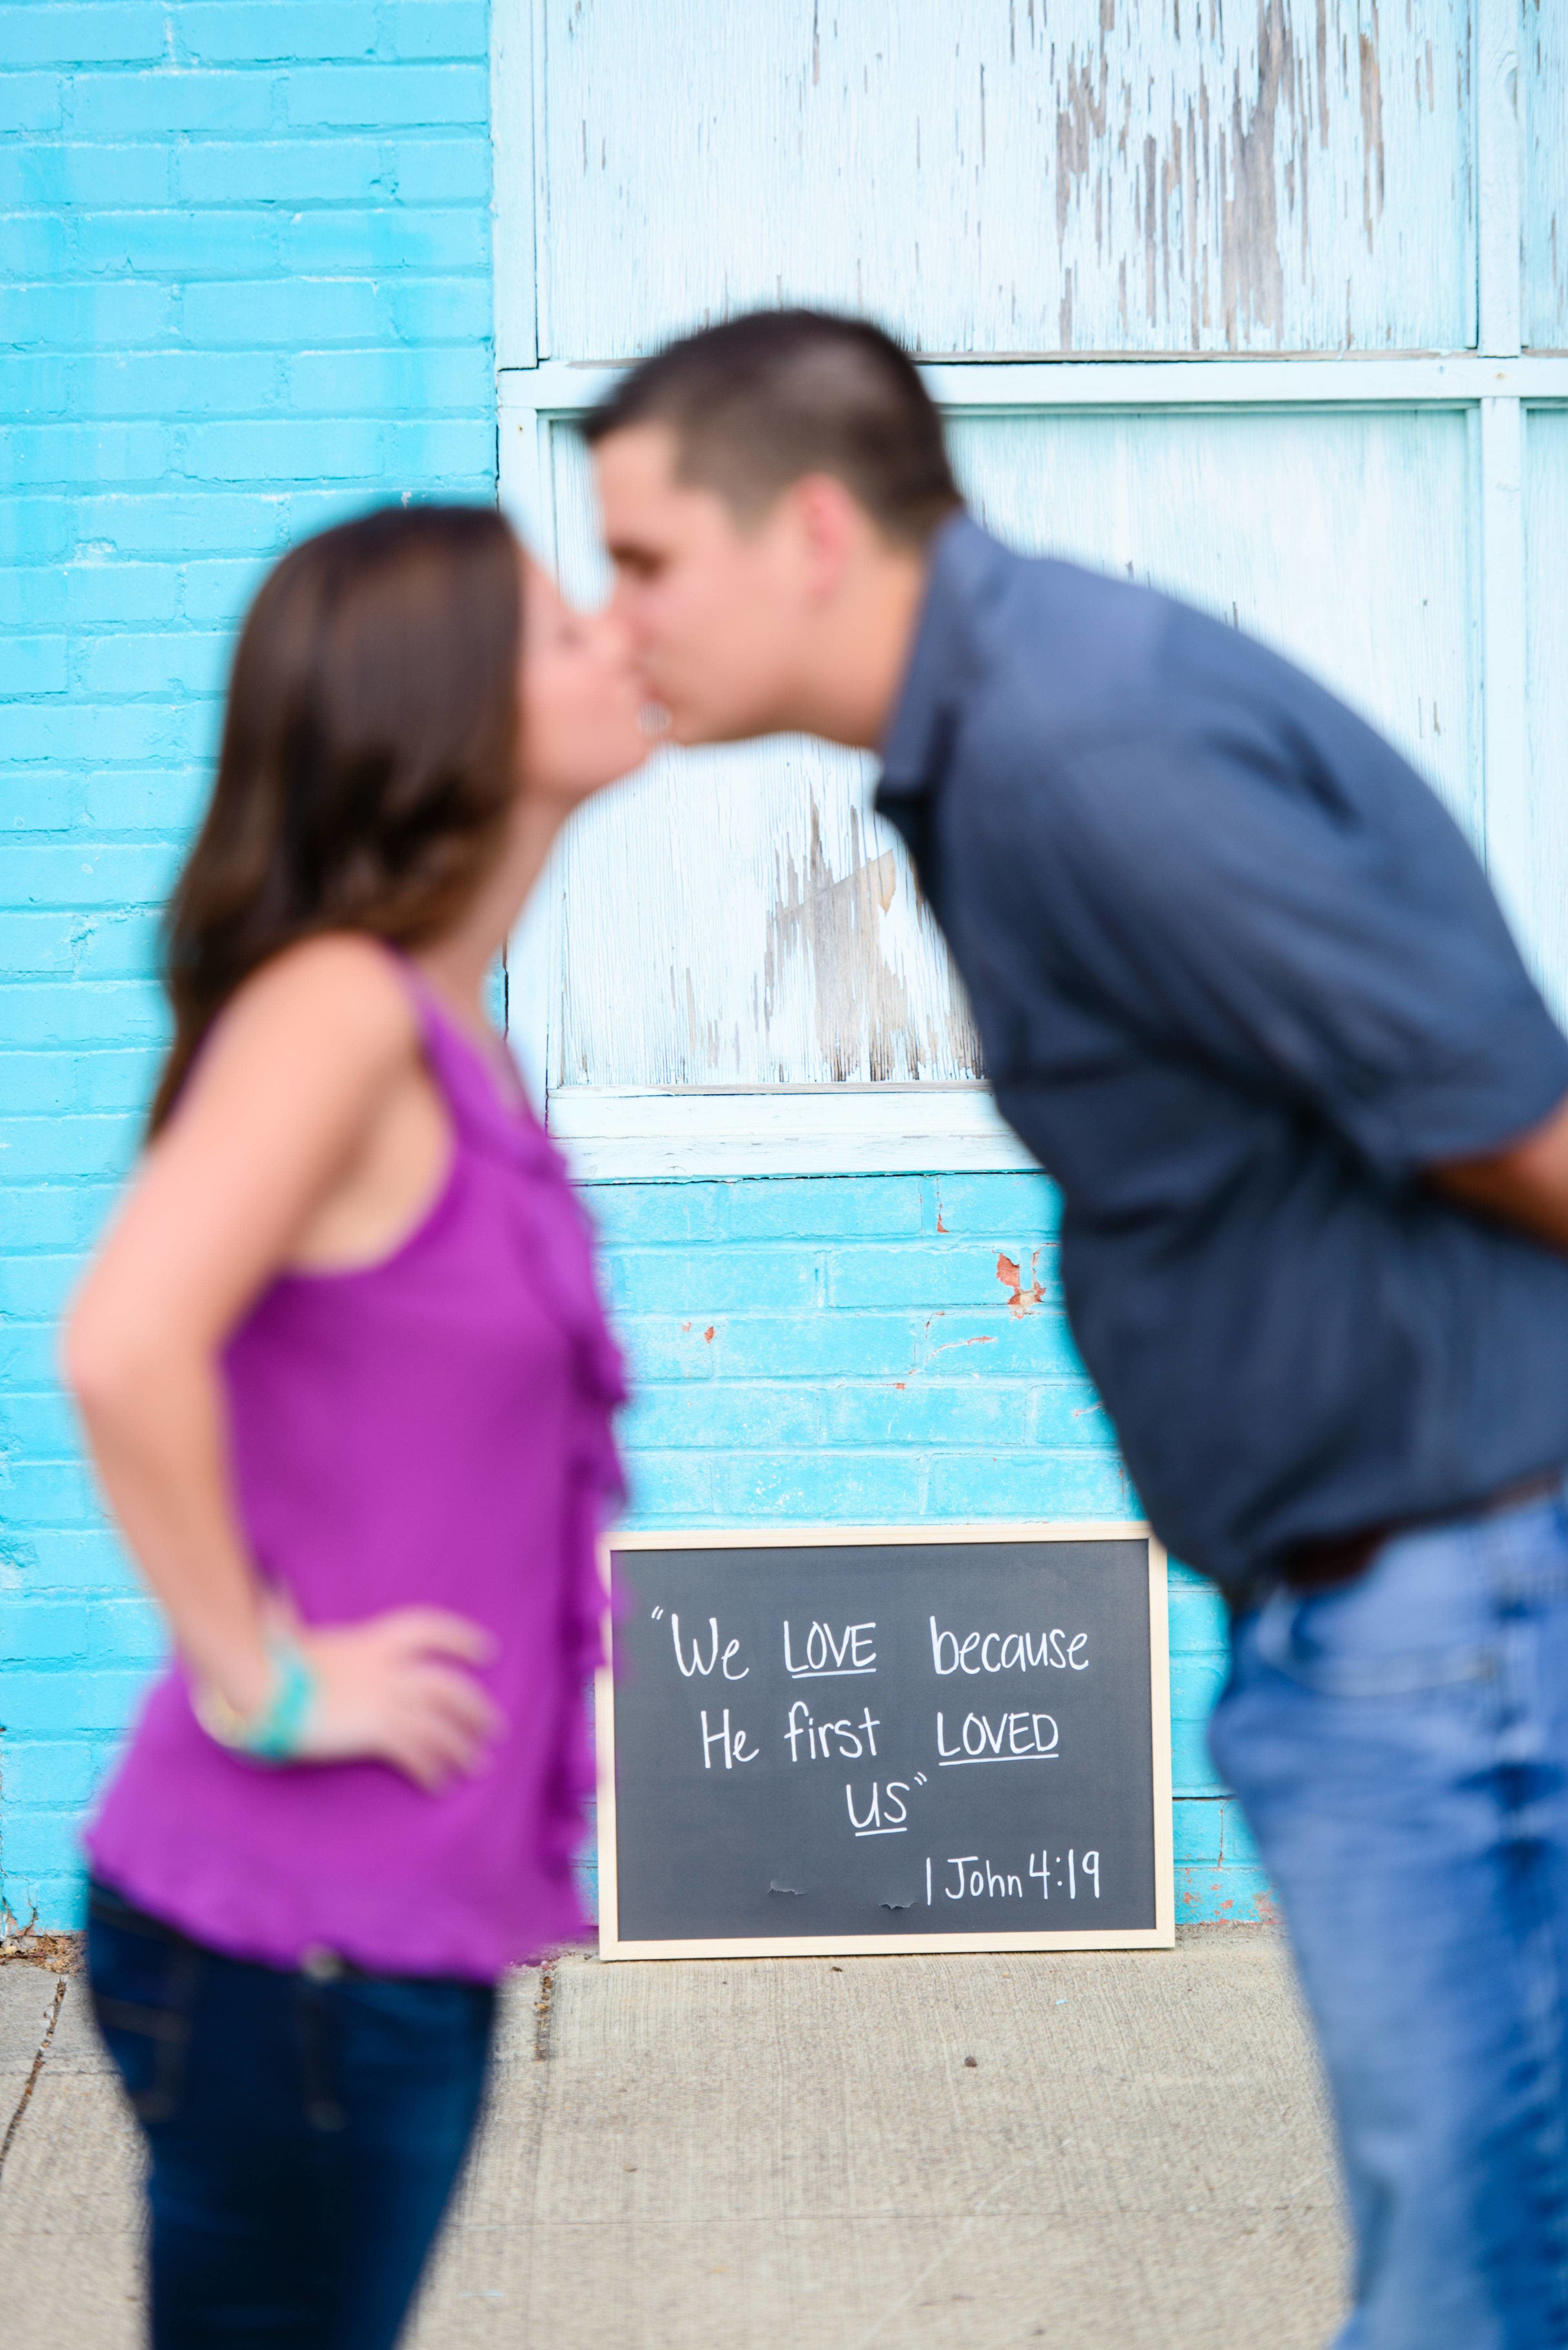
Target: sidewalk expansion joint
pixel 14 2124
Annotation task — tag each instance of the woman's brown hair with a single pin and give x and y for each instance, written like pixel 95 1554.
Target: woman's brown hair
pixel 370 754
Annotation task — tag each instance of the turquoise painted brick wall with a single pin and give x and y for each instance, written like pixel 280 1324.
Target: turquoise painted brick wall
pixel 244 287
pixel 893 1348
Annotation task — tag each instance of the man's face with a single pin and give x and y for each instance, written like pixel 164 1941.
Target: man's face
pixel 713 610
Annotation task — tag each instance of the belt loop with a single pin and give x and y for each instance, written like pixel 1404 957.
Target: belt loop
pixel 314 2019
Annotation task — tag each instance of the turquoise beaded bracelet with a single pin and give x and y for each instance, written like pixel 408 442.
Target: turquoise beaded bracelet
pixel 274 1735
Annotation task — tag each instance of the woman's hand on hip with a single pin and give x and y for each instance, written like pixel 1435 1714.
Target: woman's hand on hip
pixel 400 1688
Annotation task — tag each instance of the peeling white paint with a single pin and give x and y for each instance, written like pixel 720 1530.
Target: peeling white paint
pixel 1017 175
pixel 737 916
pixel 831 932
pixel 1546 609
pixel 794 949
pixel 1543 76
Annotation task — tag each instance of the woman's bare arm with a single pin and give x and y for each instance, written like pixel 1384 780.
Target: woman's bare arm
pixel 276 1119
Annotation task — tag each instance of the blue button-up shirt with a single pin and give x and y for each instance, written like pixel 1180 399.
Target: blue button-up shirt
pixel 1239 981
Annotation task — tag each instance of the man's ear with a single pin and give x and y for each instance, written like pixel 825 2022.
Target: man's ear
pixel 830 523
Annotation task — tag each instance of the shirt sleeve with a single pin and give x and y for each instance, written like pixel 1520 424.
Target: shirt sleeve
pixel 1344 951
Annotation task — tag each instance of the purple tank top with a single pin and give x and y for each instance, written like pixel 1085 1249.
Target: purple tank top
pixel 431 1430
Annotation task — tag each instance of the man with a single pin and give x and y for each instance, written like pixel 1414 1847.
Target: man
pixel 1244 991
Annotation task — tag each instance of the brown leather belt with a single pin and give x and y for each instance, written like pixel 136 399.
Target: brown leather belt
pixel 1340 1558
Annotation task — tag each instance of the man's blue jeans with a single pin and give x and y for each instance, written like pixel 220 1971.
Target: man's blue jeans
pixel 1400 1748
pixel 304 2133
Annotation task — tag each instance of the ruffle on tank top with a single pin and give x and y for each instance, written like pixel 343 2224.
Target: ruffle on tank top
pixel 555 1240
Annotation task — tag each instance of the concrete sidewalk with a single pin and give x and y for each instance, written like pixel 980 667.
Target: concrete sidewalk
pixel 801 2155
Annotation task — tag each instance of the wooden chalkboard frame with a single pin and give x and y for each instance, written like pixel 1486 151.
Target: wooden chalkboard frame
pixel 1160 1936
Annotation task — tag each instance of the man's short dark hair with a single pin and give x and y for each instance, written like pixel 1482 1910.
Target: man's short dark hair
pixel 765 398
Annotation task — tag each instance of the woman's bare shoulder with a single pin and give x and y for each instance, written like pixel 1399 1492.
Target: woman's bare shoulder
pixel 344 981
pixel 337 1000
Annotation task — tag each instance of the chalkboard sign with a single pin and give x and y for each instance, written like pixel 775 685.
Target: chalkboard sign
pixel 856 1740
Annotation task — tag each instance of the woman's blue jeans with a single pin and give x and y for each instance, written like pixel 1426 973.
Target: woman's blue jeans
pixel 1400 1748
pixel 305 2132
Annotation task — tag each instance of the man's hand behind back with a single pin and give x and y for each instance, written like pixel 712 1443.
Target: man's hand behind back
pixel 1524 1184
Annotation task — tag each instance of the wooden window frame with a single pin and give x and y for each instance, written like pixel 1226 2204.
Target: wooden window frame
pixel 618 1133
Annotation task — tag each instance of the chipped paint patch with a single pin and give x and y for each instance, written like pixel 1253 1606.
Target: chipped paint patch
pixel 865 1020
pixel 1022 1295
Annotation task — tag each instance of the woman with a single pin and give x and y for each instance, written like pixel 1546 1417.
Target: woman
pixel 348 1392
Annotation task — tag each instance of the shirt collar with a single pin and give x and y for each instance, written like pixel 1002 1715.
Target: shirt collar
pixel 963 561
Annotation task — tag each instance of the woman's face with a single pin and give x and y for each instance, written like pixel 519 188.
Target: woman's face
pixel 581 698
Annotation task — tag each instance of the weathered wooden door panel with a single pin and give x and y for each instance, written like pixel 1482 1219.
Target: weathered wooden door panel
pixel 1544 100
pixel 1341 539
pixel 1546 609
pixel 1013 175
pixel 793 952
pixel 736 918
